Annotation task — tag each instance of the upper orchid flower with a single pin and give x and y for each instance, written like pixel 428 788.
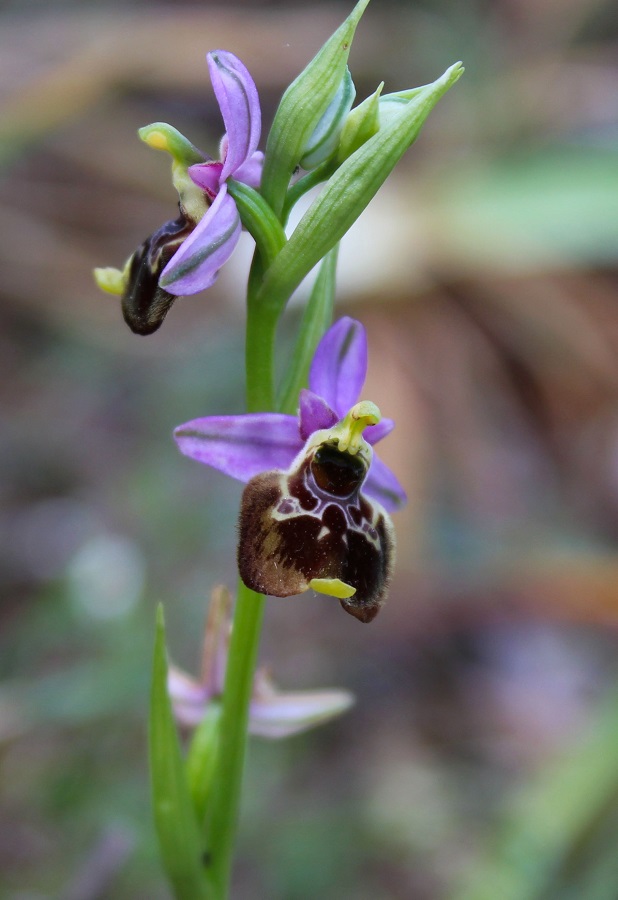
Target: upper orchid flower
pixel 314 509
pixel 184 256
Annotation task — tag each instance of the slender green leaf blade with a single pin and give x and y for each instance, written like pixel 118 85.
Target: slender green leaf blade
pixel 202 760
pixel 175 820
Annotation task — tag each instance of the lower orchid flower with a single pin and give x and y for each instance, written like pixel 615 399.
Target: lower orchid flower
pixel 314 512
pixel 184 255
pixel 272 713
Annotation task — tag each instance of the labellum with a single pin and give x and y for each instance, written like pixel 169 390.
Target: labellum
pixel 312 527
pixel 144 303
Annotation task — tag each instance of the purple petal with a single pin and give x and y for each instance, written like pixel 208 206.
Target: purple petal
pixel 251 171
pixel 382 485
pixel 340 364
pixel 195 265
pixel 375 433
pixel 207 176
pixel 241 446
pixel 189 698
pixel 314 414
pixel 278 714
pixel 240 107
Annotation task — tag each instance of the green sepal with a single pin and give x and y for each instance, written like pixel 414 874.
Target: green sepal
pixel 361 124
pixel 391 105
pixel 325 139
pixel 259 220
pixel 202 760
pixel 301 108
pixel 346 194
pixel 176 825
pixel 161 136
pixel 317 317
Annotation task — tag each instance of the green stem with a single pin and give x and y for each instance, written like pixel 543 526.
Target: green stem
pixel 260 358
pixel 224 808
pixel 223 814
pixel 306 183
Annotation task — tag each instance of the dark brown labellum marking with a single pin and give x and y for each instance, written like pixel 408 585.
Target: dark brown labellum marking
pixel 145 304
pixel 314 523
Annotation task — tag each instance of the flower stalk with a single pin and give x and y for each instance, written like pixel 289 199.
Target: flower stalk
pixel 222 818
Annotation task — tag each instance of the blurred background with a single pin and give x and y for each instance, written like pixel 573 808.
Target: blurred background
pixel 481 759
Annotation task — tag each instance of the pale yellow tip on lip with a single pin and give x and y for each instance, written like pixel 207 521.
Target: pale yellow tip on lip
pixel 334 587
pixel 110 280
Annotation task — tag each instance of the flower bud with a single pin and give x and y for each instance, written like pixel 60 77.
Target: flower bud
pixel 361 124
pixel 325 139
pixel 301 109
pixel 392 105
pixel 370 116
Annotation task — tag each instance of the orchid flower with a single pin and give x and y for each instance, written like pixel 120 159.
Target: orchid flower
pixel 314 512
pixel 185 255
pixel 272 713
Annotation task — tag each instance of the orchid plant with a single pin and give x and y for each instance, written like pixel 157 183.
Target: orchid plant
pixel 315 511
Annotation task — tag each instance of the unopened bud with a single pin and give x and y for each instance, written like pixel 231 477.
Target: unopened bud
pixel 325 139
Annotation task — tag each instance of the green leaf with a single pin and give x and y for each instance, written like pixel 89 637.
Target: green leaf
pixel 301 108
pixel 202 760
pixel 347 193
pixel 175 821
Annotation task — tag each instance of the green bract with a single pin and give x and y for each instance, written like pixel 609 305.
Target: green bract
pixel 347 193
pixel 301 108
pixel 361 124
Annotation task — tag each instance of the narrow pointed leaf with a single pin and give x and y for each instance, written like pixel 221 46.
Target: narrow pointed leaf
pixel 175 821
pixel 202 760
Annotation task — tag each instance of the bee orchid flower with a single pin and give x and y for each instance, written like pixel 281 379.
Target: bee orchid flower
pixel 315 507
pixel 185 255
